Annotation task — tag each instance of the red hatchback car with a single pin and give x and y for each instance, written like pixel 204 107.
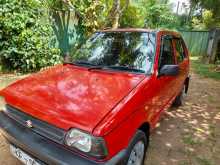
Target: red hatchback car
pixel 100 108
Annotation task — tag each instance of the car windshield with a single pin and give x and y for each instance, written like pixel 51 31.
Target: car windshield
pixel 134 51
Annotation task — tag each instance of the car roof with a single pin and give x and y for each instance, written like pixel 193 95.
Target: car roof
pixel 128 30
pixel 140 30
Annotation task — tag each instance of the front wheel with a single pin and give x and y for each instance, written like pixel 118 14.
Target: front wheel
pixel 137 149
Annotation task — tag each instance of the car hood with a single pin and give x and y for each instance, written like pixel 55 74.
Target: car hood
pixel 68 96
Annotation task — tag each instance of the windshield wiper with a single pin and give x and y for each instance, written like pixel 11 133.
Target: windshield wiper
pixel 92 66
pixel 81 63
pixel 124 68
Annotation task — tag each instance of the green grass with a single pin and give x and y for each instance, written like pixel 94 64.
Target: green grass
pixel 203 161
pixel 190 140
pixel 205 70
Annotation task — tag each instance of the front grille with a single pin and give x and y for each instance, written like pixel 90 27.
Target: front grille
pixel 40 127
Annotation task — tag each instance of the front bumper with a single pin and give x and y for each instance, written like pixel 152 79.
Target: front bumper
pixel 44 149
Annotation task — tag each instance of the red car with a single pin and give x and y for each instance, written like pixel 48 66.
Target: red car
pixel 100 108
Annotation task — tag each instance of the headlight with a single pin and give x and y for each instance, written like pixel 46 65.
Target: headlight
pixel 79 140
pixel 93 146
pixel 2 103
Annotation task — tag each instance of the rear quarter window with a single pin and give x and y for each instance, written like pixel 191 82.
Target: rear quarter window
pixel 180 51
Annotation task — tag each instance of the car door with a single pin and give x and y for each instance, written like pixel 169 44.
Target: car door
pixel 182 62
pixel 166 83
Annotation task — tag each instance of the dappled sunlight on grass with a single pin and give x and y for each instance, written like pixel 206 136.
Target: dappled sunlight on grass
pixel 217 117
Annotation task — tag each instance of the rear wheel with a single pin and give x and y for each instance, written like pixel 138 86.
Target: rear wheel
pixel 137 149
pixel 180 98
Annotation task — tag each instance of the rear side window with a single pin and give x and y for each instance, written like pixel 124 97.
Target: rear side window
pixel 180 53
pixel 166 55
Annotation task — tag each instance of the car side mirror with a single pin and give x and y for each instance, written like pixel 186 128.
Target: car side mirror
pixel 169 70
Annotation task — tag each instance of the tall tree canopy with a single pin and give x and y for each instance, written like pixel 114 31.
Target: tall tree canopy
pixel 206 13
pixel 213 5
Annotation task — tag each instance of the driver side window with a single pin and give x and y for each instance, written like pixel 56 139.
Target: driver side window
pixel 166 54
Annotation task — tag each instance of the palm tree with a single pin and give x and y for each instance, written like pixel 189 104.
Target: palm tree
pixel 61 12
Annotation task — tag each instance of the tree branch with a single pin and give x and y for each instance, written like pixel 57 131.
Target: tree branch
pixel 125 7
pixel 69 3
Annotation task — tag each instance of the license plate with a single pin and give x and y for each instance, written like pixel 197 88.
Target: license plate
pixel 22 156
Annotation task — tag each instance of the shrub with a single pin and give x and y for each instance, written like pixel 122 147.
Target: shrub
pixel 25 36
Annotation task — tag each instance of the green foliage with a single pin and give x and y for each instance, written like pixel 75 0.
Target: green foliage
pixel 206 21
pixel 26 31
pixel 212 5
pixel 74 20
pixel 208 17
pixel 159 15
pixel 90 13
pixel 24 39
pixel 205 70
pixel 196 23
pixel 93 14
pixel 132 17
pixel 203 160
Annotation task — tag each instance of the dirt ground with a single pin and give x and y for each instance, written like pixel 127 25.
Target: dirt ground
pixel 188 135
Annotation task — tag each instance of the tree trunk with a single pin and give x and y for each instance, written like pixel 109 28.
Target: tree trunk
pixel 115 13
pixel 115 23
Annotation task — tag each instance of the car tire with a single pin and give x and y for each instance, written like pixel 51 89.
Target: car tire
pixel 137 149
pixel 180 98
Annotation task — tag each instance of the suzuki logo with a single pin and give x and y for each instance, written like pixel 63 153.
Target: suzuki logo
pixel 29 124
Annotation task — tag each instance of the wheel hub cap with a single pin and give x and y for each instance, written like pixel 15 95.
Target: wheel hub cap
pixel 137 154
